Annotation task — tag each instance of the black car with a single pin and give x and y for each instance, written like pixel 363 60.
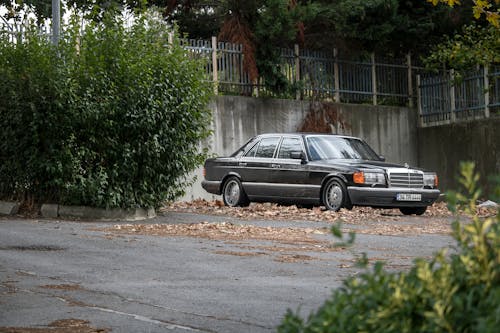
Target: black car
pixel 318 169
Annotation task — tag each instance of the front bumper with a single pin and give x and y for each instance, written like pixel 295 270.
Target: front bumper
pixel 386 197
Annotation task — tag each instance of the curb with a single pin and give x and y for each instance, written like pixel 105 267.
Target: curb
pixel 89 213
pixel 83 212
pixel 9 208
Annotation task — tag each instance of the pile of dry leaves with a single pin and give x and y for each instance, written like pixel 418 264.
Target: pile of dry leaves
pixel 223 231
pixel 59 326
pixel 268 211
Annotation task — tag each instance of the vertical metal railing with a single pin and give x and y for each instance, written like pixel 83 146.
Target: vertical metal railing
pixel 451 97
pixel 317 74
pixel 493 90
pixel 314 74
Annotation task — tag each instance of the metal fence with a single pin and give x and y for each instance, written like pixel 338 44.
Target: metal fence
pixel 15 32
pixel 442 98
pixel 451 97
pixel 314 74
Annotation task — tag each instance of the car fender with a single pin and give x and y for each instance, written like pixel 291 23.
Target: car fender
pixel 333 175
pixel 230 174
pixel 330 176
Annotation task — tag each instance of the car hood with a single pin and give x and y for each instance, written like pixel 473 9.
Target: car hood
pixel 358 164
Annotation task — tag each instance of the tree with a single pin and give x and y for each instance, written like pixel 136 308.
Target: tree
pixel 111 117
pixel 280 25
pixel 387 26
pixel 481 8
pixel 43 8
pixel 476 44
pixel 261 26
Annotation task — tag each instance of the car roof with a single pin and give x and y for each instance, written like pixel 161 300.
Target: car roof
pixel 307 134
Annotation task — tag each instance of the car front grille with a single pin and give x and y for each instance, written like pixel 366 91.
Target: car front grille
pixel 406 179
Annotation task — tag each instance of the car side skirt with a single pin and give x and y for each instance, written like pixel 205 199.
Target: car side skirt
pixel 386 197
pixel 275 191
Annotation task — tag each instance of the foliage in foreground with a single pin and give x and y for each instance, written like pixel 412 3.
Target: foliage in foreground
pixel 112 117
pixel 459 292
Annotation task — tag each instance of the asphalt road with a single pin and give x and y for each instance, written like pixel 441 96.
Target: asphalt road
pixel 55 270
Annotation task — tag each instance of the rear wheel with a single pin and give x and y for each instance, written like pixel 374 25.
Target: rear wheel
pixel 334 195
pixel 413 210
pixel 233 194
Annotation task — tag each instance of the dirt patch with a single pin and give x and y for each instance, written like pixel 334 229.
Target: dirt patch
pixel 429 226
pixel 326 247
pixel 9 287
pixel 62 286
pixel 292 258
pixel 41 248
pixel 58 326
pixel 240 254
pixel 223 231
pixel 292 240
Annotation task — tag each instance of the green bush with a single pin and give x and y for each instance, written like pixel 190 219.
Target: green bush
pixel 457 292
pixel 112 117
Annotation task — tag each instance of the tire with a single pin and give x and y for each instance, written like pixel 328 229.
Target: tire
pixel 233 194
pixel 413 210
pixel 334 195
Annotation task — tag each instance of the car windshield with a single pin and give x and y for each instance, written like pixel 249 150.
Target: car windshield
pixel 325 147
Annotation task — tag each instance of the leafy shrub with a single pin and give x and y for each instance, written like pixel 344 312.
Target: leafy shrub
pixel 457 292
pixel 112 117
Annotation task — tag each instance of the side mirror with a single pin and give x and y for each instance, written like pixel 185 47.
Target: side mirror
pixel 298 155
pixel 382 158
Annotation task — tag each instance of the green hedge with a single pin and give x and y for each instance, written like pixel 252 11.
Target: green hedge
pixel 455 292
pixel 112 117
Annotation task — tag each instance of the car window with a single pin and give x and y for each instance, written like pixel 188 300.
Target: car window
pixel 266 147
pixel 288 145
pixel 251 152
pixel 244 148
pixel 331 147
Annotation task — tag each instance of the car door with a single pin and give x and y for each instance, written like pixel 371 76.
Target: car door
pixel 290 175
pixel 255 166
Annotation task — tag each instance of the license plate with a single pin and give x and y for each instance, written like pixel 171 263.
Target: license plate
pixel 409 197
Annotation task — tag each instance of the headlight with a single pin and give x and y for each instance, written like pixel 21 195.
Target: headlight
pixel 369 178
pixel 431 180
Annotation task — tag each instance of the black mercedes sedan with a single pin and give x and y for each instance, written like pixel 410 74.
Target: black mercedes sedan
pixel 318 169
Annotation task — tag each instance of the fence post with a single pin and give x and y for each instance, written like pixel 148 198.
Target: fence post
pixel 336 74
pixel 486 74
pixel 410 80
pixel 419 103
pixel 215 71
pixel 374 79
pixel 452 95
pixel 56 21
pixel 296 52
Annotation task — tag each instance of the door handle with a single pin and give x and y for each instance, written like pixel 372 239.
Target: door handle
pixel 242 164
pixel 277 166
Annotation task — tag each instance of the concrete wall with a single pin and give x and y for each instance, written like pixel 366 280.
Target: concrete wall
pixel 391 131
pixel 441 148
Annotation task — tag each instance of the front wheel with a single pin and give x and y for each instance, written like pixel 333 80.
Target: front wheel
pixel 413 210
pixel 233 194
pixel 335 195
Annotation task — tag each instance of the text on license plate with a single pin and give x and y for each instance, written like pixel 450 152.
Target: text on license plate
pixel 409 197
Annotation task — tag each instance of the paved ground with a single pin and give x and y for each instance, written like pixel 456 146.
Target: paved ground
pixel 60 276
